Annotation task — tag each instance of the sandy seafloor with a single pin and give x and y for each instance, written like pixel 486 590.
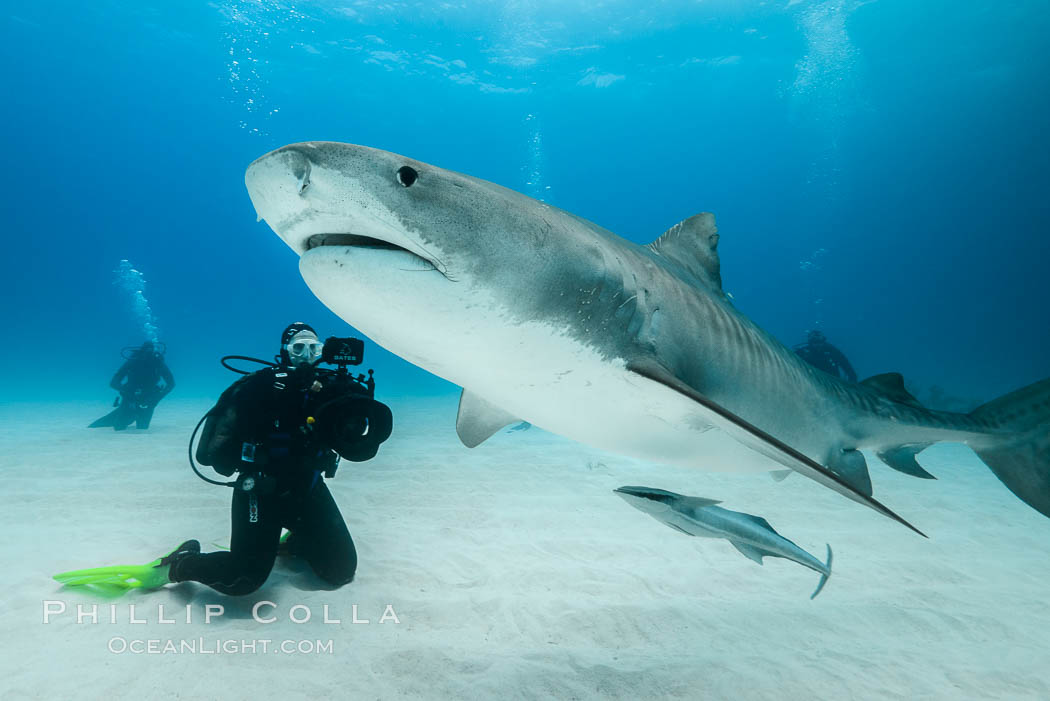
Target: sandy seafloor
pixel 515 572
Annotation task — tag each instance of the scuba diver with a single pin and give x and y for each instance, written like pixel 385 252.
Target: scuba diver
pixel 280 429
pixel 142 381
pixel 822 355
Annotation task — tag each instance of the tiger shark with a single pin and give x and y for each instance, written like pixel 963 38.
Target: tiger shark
pixel 542 316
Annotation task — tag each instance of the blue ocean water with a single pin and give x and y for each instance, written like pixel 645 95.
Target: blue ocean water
pixel 878 169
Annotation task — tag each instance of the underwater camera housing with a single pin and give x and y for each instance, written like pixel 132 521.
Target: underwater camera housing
pixel 343 351
pixel 354 424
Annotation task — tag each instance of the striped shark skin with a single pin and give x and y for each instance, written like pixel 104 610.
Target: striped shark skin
pixel 544 317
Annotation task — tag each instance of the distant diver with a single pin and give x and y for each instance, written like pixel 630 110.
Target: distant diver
pixel 822 355
pixel 280 429
pixel 142 381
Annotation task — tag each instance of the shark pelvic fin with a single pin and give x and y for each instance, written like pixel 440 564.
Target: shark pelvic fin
pixel 692 244
pixel 902 459
pixel 753 436
pixel 478 420
pixel 751 552
pixel 891 385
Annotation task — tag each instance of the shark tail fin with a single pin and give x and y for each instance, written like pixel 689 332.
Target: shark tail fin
pixel 1021 460
pixel 823 577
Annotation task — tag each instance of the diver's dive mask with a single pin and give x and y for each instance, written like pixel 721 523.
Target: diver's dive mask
pixel 304 349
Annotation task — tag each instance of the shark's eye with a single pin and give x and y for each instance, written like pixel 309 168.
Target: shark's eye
pixel 407 175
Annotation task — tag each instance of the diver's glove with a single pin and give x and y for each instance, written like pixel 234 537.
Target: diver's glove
pixel 117 579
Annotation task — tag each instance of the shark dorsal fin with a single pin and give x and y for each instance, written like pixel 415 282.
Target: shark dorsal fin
pixel 758 521
pixel 891 385
pixel 692 244
pixel 478 420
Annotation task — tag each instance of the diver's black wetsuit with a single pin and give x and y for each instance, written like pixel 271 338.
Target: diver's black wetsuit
pixel 283 419
pixel 824 356
pixel 320 536
pixel 143 380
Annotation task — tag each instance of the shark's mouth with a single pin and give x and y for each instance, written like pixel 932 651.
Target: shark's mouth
pixel 368 242
pixel 354 240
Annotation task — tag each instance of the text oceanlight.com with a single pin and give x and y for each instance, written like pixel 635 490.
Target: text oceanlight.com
pixel 206 646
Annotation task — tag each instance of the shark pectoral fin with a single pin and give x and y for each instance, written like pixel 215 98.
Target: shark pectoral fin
pixel 751 552
pixel 780 475
pixel 771 446
pixel 902 459
pixel 851 466
pixel 478 420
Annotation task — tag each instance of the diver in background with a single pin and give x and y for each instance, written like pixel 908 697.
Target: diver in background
pixel 142 381
pixel 281 429
pixel 822 355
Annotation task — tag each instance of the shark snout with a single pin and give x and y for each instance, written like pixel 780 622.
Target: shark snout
pixel 323 194
pixel 276 183
pixel 650 493
pixel 648 499
pixel 283 186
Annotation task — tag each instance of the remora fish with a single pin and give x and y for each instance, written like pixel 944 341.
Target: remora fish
pixel 545 317
pixel 751 535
